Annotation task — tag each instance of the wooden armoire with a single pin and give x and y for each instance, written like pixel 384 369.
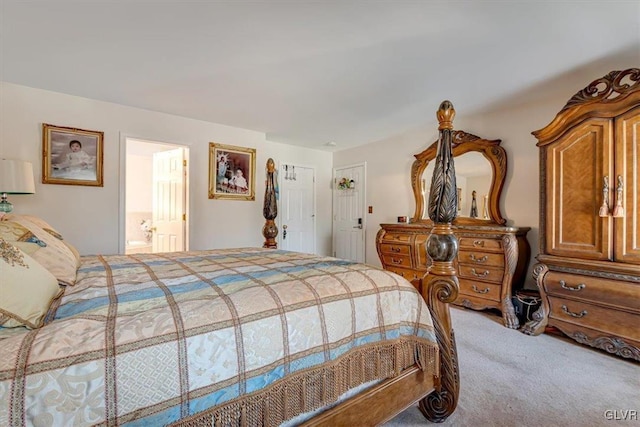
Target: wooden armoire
pixel 588 269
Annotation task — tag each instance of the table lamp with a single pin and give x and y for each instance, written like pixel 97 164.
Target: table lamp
pixel 16 177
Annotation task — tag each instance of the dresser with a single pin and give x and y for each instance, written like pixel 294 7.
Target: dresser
pixel 492 258
pixel 588 269
pixel 491 263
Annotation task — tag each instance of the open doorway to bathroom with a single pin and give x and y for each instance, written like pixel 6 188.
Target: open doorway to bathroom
pixel 156 197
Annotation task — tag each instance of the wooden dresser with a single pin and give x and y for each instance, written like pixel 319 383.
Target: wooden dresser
pixel 588 270
pixel 493 258
pixel 491 264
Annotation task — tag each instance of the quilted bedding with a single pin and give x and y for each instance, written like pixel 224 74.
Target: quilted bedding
pixel 221 337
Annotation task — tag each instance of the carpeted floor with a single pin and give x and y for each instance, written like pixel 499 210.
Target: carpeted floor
pixel 511 379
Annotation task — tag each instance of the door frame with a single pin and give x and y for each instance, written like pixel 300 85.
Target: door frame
pixel 122 186
pixel 279 218
pixel 364 207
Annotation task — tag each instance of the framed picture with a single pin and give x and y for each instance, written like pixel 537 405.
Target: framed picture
pixel 232 172
pixel 71 156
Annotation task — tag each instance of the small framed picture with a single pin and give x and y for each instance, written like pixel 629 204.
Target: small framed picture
pixel 71 156
pixel 231 172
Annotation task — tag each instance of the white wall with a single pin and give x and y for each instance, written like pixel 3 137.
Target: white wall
pixel 89 216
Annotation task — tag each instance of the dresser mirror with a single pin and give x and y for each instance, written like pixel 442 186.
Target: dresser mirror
pixel 481 167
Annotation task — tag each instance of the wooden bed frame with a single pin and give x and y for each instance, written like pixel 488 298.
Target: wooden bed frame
pixel 437 394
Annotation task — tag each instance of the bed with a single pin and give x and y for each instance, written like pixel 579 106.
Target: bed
pixel 247 337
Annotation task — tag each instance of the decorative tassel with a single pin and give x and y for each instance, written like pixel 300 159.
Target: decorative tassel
pixel 604 209
pixel 618 212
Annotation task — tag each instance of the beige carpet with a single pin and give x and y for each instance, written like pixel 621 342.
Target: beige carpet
pixel 511 379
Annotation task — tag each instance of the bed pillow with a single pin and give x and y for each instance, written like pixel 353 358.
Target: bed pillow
pixel 49 229
pixel 27 288
pixel 43 247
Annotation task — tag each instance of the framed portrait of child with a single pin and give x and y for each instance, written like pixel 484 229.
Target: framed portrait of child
pixel 231 172
pixel 71 156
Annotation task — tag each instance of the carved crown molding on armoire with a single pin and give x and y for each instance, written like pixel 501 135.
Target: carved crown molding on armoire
pixel 588 269
pixel 492 259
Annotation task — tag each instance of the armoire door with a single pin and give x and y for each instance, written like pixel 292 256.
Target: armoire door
pixel 627 167
pixel 576 166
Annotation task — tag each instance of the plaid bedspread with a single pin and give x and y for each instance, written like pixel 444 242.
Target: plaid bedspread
pixel 258 335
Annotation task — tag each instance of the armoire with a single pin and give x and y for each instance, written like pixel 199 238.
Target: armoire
pixel 588 269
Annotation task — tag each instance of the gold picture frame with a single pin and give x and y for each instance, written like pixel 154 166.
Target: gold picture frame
pixel 72 156
pixel 232 172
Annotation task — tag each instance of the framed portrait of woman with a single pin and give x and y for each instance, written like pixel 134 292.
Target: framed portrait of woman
pixel 231 172
pixel 71 156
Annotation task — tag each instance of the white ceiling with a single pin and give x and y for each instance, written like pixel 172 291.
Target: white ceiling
pixel 311 72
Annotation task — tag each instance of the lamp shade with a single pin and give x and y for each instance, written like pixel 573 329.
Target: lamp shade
pixel 16 177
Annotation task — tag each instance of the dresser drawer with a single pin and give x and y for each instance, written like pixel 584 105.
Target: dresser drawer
pixel 396 237
pixel 388 248
pixel 480 243
pixel 408 274
pixel 483 273
pixel 480 258
pixel 478 289
pixel 396 260
pixel 593 289
pixel 608 320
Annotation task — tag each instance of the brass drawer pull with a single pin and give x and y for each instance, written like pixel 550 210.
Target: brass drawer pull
pixel 483 274
pixel 478 243
pixel 394 249
pixel 396 261
pixel 475 289
pixel 565 310
pixel 478 260
pixel 563 285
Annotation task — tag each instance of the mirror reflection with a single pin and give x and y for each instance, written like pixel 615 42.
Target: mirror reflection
pixel 481 167
pixel 473 179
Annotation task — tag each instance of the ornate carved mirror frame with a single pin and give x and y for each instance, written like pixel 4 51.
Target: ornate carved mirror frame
pixel 463 143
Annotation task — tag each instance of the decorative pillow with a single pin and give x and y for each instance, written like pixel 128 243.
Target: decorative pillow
pixel 49 229
pixel 27 288
pixel 51 253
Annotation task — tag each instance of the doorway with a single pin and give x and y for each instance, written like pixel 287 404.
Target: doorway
pixel 298 208
pixel 349 221
pixel 156 194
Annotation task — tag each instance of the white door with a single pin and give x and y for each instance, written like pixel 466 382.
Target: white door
pixel 169 168
pixel 297 217
pixel 348 212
